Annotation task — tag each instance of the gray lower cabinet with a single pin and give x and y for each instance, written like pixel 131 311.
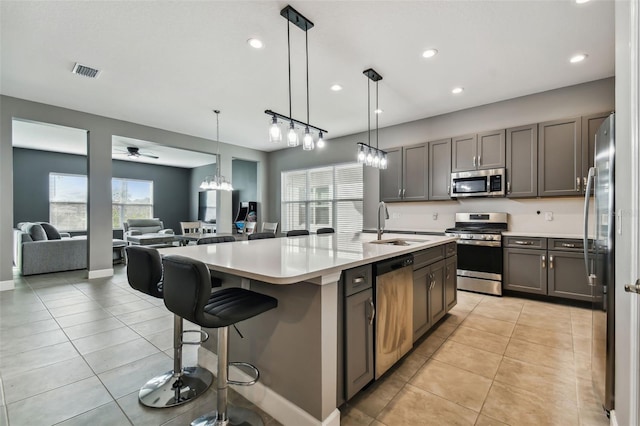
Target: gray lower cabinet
pixel 450 282
pixel 553 267
pixel 421 319
pixel 437 305
pixel 358 330
pixel 522 161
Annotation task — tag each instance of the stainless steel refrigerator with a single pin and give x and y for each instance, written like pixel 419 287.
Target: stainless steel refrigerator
pixel 599 262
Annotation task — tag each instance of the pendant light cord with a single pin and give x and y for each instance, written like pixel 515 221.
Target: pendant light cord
pixel 217 142
pixel 289 60
pixel 369 110
pixel 306 41
pixel 377 114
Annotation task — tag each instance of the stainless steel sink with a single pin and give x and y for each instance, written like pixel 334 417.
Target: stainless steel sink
pixel 398 242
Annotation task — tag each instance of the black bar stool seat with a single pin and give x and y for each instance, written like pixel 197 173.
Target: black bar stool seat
pixel 187 293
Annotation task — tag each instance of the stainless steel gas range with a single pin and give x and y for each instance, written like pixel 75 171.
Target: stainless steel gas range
pixel 479 251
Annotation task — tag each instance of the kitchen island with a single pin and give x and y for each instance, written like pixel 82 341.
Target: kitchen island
pixel 295 346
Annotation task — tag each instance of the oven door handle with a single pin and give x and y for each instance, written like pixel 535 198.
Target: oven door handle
pixel 480 243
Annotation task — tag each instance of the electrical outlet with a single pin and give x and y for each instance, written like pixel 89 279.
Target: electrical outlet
pixel 434 216
pixel 548 215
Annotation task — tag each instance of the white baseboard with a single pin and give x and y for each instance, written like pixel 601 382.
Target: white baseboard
pixel 613 421
pixel 274 404
pixel 100 273
pixel 7 285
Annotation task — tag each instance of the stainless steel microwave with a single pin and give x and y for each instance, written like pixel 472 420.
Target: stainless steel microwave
pixel 478 183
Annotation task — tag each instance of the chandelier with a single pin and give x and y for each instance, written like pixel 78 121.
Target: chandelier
pixel 217 181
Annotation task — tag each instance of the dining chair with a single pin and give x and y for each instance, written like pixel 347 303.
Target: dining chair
pixel 261 236
pixel 191 227
pixel 325 231
pixel 249 227
pixel 270 227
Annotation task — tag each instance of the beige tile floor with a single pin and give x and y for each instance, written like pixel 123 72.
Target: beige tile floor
pixel 491 361
pixel 75 352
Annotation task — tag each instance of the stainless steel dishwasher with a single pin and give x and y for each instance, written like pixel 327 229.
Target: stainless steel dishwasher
pixel 394 311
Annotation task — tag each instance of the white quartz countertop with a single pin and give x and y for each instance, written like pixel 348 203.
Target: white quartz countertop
pixel 288 260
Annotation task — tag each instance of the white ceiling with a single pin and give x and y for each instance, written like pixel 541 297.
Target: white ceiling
pixel 168 64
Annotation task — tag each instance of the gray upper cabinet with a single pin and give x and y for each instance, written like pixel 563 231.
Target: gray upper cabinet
pixel 439 169
pixel 391 177
pixel 463 153
pixel 522 161
pixel 560 154
pixel 478 151
pixel 590 125
pixel 406 176
pixel 415 174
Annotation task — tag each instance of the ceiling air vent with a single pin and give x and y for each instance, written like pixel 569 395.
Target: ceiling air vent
pixel 85 71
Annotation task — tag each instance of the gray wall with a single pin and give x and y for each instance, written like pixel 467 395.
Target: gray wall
pixel 31 184
pixel 583 99
pixel 100 131
pixel 245 181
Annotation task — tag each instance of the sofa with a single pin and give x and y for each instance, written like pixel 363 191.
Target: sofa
pixel 39 248
pixel 144 226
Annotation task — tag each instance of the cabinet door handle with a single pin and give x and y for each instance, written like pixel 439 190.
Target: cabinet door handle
pixel 544 261
pixel 474 161
pixel 448 189
pixel 584 182
pixel 358 281
pixel 373 311
pixel 523 243
pixel 550 262
pixel 403 192
pixel 578 184
pixel 568 245
pixel 399 192
pixel 479 160
pixel 508 187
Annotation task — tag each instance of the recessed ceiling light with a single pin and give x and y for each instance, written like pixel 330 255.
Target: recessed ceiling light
pixel 581 1
pixel 336 88
pixel 378 111
pixel 578 58
pixel 255 43
pixel 429 53
pixel 457 90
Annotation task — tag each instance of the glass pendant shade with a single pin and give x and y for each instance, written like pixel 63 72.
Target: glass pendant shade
pixel 320 142
pixel 369 157
pixel 383 161
pixel 275 133
pixel 292 136
pixel 361 155
pixel 376 160
pixel 307 140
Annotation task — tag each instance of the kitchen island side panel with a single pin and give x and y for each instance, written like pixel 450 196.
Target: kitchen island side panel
pixel 285 344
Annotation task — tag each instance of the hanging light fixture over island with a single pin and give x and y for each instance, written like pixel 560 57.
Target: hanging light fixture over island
pixel 367 154
pixel 279 120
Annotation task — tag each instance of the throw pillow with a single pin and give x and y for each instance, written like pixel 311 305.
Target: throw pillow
pixel 36 232
pixel 50 230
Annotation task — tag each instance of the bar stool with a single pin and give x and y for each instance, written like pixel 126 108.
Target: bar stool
pixel 187 294
pixel 216 240
pixel 297 232
pixel 180 385
pixel 261 236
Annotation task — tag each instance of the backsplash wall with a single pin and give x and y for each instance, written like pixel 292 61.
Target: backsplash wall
pixel 523 217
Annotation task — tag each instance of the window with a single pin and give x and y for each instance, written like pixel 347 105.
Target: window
pixel 132 199
pixel 323 197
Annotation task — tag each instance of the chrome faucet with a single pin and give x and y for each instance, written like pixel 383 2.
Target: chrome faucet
pixel 382 221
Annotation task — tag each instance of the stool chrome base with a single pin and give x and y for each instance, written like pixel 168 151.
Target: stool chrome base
pixel 163 391
pixel 236 416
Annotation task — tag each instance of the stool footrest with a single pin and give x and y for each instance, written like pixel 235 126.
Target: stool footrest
pixel 256 374
pixel 204 336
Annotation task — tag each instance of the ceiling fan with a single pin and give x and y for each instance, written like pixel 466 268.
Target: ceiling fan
pixel 134 152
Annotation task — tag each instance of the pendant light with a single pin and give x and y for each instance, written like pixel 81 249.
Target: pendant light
pixel 295 127
pixel 217 182
pixel 367 154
